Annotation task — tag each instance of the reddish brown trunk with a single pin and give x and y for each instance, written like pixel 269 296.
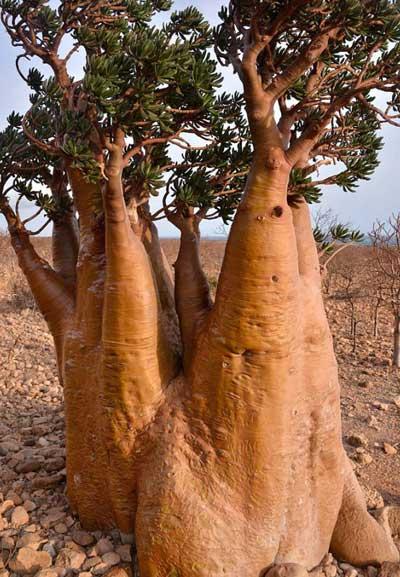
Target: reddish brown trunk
pixel 65 247
pixel 137 365
pixel 240 464
pixel 91 258
pixel 124 362
pixel 65 234
pixel 165 285
pixel 192 292
pixel 87 458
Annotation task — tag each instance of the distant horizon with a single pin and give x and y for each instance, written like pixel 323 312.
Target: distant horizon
pixel 161 236
pixel 216 237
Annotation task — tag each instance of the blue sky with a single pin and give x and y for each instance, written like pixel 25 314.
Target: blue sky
pixel 376 199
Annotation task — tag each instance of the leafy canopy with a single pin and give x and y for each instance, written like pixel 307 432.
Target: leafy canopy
pixel 328 70
pixel 158 85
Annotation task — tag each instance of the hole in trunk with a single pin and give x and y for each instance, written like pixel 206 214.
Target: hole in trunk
pixel 277 211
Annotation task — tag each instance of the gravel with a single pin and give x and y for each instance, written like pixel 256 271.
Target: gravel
pixel 39 534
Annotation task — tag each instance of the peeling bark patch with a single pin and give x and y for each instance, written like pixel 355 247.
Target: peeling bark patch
pixel 277 211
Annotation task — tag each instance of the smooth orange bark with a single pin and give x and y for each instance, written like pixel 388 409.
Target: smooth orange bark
pixel 65 248
pixel 136 363
pixel 87 458
pixel 192 291
pixel 164 279
pixel 65 233
pixel 252 470
pixel 243 467
pixel 54 300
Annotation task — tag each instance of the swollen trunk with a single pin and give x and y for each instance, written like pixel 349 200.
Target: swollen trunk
pixel 239 463
pixel 252 470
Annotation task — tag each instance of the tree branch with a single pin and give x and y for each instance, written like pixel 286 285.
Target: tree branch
pixel 192 292
pixel 53 298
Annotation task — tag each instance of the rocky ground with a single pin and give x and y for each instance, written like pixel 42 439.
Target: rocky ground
pixel 40 536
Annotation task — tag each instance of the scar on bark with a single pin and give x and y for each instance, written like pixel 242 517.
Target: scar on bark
pixel 277 211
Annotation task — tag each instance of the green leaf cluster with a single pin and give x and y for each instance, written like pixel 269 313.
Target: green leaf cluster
pixel 326 239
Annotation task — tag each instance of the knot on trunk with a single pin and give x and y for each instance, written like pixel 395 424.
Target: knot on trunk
pixel 113 171
pixel 277 211
pixel 275 158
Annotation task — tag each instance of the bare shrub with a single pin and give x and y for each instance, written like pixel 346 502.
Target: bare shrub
pixel 385 238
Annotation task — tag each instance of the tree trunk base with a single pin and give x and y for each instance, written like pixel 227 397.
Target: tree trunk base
pixel 238 464
pixel 195 521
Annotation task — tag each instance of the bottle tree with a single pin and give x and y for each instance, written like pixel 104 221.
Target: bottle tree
pixel 211 430
pixel 319 80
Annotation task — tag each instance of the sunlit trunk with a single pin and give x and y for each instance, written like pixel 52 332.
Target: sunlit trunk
pixel 236 461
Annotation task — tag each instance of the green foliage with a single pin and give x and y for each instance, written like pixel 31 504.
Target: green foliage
pixel 334 97
pixel 26 171
pixel 142 10
pixel 82 158
pixel 35 79
pixel 150 178
pixel 190 23
pixel 12 146
pixel 326 239
pixel 158 84
pixel 302 186
pixel 215 175
pixel 353 140
pixel 40 199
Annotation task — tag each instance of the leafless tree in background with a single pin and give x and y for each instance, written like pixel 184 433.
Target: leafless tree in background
pixel 332 238
pixel 385 238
